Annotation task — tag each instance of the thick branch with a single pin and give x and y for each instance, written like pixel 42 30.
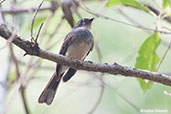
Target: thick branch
pixel 115 69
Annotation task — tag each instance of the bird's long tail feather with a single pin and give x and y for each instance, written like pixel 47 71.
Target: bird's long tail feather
pixel 49 92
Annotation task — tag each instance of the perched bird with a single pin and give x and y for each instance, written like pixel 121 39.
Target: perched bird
pixel 77 45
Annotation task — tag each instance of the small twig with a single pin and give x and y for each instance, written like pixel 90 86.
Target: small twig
pixel 34 17
pixel 38 32
pixel 157 12
pixel 14 60
pixel 23 10
pixel 15 11
pixel 161 61
pixel 130 19
pixel 23 96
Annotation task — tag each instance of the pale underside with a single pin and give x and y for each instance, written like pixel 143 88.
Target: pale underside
pixel 77 52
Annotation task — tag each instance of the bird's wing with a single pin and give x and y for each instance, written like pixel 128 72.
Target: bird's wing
pixel 72 71
pixel 63 51
pixel 67 40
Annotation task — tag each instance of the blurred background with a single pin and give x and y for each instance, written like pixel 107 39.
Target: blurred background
pixel 86 92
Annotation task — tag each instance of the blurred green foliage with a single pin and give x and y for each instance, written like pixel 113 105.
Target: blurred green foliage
pixel 133 3
pixel 166 4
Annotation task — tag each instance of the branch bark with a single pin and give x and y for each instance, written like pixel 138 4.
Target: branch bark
pixel 34 50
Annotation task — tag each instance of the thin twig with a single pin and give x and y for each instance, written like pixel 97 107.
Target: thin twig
pixel 162 59
pixel 15 61
pixel 23 96
pixel 157 12
pixel 34 17
pixel 115 20
pixel 15 11
pixel 130 19
pixel 23 10
pixel 38 32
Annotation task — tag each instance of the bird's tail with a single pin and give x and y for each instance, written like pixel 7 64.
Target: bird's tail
pixel 49 92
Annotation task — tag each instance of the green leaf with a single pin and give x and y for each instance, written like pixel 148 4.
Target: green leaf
pixel 12 76
pixel 133 3
pixel 165 4
pixel 37 22
pixel 147 57
pixel 113 2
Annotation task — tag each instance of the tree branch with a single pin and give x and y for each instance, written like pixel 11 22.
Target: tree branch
pixel 115 68
pixel 157 12
pixel 54 5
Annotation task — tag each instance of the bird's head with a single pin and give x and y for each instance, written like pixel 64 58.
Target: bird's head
pixel 84 23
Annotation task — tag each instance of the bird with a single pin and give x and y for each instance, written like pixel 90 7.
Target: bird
pixel 77 45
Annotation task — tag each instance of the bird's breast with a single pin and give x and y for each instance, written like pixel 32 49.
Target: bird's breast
pixel 78 51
